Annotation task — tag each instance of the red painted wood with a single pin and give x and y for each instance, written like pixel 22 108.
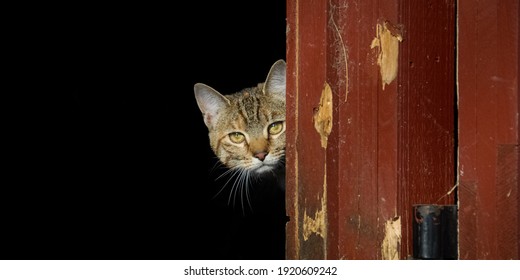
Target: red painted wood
pixel 366 130
pixel 488 131
pixel 507 202
pixel 426 113
pixel 361 156
pixel 467 191
pixel 291 198
pixel 387 140
pixel 386 147
pixel 307 63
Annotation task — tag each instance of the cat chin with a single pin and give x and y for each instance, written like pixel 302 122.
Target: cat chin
pixel 263 169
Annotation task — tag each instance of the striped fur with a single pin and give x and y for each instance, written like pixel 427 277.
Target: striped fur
pixel 247 128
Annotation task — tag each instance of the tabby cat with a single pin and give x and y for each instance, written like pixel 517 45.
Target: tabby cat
pixel 247 128
pixel 247 134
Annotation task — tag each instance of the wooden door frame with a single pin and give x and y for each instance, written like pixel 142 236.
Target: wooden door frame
pixel 333 82
pixel 488 86
pixel 353 168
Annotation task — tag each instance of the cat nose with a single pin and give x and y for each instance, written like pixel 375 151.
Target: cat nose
pixel 261 155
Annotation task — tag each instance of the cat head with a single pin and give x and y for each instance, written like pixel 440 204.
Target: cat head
pixel 247 128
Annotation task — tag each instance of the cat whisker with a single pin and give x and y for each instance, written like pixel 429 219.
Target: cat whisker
pixel 226 173
pixel 247 192
pixel 240 188
pixel 218 165
pixel 234 172
pixel 248 196
pixel 235 188
pixel 245 189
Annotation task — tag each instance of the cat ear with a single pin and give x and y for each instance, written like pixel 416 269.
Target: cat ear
pixel 275 82
pixel 210 103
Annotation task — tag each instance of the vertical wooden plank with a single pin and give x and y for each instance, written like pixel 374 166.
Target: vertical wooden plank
pixel 508 103
pixel 467 220
pixel 426 114
pixel 306 157
pixel 330 42
pixel 507 202
pixel 357 194
pixel 365 127
pixel 291 197
pixel 389 219
pixel 336 78
pixel 466 74
pixel 486 106
pixel 488 60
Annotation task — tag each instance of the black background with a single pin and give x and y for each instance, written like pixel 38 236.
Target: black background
pixel 110 153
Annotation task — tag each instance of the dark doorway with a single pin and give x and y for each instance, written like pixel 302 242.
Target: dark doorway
pixel 115 162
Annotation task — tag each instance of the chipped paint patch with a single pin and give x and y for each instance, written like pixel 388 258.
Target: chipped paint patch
pixel 392 240
pixel 387 40
pixel 316 224
pixel 323 115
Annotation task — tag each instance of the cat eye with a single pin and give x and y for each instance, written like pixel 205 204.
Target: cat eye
pixel 236 137
pixel 275 128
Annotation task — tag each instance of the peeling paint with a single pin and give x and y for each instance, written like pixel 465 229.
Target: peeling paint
pixel 392 240
pixel 323 115
pixel 387 41
pixel 317 224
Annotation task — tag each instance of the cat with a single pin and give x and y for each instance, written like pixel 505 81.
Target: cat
pixel 247 135
pixel 247 128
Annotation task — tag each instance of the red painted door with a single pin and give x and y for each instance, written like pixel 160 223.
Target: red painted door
pixel 372 99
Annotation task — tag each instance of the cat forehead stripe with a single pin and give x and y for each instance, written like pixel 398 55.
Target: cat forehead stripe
pixel 249 107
